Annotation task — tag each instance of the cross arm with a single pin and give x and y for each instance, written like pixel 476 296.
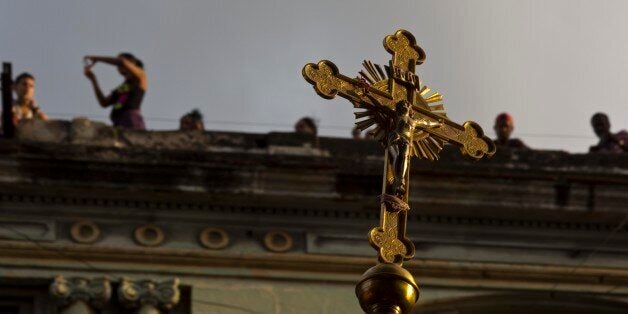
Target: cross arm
pixel 328 82
pixel 469 136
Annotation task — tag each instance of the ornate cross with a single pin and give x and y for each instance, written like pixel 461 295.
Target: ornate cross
pixel 408 119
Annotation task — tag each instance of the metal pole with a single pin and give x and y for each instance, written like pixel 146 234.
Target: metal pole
pixel 7 101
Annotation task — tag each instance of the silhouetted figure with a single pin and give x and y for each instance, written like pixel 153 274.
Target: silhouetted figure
pixel 306 125
pixel 192 121
pixel 609 142
pixel 356 134
pixel 126 99
pixel 24 106
pixel 504 125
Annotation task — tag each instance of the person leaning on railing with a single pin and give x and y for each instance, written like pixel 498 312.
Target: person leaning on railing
pixel 609 142
pixel 24 106
pixel 504 126
pixel 192 121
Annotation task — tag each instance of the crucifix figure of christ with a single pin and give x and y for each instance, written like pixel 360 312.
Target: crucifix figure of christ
pixel 398 141
pixel 408 119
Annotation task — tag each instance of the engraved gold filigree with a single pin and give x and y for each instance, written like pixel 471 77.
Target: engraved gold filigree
pixel 408 118
pixel 402 45
pixel 393 246
pixel 324 78
pixel 476 146
pixel 427 141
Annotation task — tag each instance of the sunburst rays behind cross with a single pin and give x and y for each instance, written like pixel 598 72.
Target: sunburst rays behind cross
pixel 424 145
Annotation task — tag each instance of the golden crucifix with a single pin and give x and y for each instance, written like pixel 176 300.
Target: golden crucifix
pixel 408 119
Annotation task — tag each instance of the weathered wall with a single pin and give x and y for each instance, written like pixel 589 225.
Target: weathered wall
pixel 296 216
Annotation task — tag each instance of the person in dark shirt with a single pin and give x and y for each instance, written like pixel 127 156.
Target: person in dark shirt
pixel 609 142
pixel 126 99
pixel 306 125
pixel 192 121
pixel 504 125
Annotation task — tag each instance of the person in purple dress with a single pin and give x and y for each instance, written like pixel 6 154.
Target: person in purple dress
pixel 126 99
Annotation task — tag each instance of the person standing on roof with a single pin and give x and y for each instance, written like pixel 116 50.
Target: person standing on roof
pixel 126 99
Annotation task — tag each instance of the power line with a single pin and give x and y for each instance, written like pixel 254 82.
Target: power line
pixel 290 126
pixel 223 305
pixel 58 252
pixel 173 120
pixel 91 267
pixel 597 249
pixel 621 225
pixel 564 136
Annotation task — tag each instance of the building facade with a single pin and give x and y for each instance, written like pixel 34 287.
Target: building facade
pixel 108 221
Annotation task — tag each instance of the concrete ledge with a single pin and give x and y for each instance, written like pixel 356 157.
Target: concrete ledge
pixel 307 267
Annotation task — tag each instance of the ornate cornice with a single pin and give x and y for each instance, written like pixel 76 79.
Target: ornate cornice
pixel 95 292
pixel 582 221
pixel 135 294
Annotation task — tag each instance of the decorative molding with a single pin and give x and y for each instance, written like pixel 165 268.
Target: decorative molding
pixel 278 241
pixel 149 235
pixel 28 229
pixel 135 294
pixel 95 292
pixel 523 222
pixel 214 238
pixel 84 231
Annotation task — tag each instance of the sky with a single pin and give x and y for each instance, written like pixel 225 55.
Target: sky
pixel 550 63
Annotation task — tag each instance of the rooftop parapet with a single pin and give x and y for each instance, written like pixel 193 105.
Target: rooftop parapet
pixel 87 153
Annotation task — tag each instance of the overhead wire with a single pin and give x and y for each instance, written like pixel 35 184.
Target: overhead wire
pixel 57 251
pixel 225 306
pixel 335 127
pixel 93 268
pixel 596 249
pixel 290 126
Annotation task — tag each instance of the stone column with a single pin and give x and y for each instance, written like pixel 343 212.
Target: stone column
pixel 80 295
pixel 148 296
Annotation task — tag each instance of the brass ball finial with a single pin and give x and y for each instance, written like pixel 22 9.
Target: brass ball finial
pixel 387 289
